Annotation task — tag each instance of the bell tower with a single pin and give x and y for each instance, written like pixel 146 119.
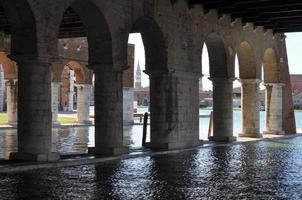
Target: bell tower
pixel 138 76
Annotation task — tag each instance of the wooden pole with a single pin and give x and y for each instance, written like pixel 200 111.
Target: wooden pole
pixel 210 130
pixel 146 116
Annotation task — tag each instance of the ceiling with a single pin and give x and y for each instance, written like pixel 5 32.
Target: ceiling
pixel 278 15
pixel 71 25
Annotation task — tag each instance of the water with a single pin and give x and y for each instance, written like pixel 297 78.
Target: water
pixel 261 170
pixel 77 140
pixel 70 140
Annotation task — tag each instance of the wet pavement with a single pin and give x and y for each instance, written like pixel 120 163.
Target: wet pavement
pixel 70 140
pixel 257 170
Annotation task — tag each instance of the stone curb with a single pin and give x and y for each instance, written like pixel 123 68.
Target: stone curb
pixel 4 127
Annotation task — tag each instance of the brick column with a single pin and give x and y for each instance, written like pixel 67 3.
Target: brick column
pixel 34 110
pixel 55 88
pixel 11 93
pixel 222 110
pixel 108 111
pixel 250 108
pixel 174 109
pixel 83 103
pixel 273 108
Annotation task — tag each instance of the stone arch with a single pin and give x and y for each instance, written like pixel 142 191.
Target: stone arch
pixel 270 66
pixel 154 43
pixel 78 70
pixel 22 27
pixel 247 61
pixel 217 56
pixel 9 67
pixel 97 30
pixel 222 89
pixel 156 67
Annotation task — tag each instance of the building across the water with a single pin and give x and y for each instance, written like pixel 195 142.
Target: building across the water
pixel 296 82
pixel 141 94
pixel 237 97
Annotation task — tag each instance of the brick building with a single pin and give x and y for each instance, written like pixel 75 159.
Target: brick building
pixel 296 82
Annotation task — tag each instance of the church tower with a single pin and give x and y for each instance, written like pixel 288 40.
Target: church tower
pixel 138 77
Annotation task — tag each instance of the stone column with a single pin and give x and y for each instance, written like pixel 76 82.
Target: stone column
pixel 174 109
pixel 250 108
pixel 108 111
pixel 83 103
pixel 11 93
pixel 128 110
pixel 273 108
pixel 222 110
pixel 2 88
pixel 55 88
pixel 71 91
pixel 34 110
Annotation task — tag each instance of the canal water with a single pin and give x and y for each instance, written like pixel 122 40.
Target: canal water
pixel 77 140
pixel 258 170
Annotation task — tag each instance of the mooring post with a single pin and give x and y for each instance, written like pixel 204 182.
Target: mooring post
pixel 146 116
pixel 210 125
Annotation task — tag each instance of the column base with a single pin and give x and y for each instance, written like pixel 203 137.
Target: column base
pixel 110 151
pixel 56 124
pixel 172 145
pixel 274 132
pixel 86 122
pixel 35 157
pixel 251 135
pixel 14 124
pixel 223 138
pixel 128 123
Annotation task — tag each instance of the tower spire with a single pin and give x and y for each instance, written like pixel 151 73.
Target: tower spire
pixel 138 78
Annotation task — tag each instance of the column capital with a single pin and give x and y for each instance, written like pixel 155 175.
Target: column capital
pixel 22 57
pixel 186 74
pixel 55 83
pixel 83 85
pixel 11 82
pixel 104 68
pixel 157 72
pixel 221 79
pixel 28 58
pixel 57 60
pixel 250 81
pixel 275 84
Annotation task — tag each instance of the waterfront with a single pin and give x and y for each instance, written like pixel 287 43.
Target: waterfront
pixel 270 169
pixel 76 140
pixel 257 170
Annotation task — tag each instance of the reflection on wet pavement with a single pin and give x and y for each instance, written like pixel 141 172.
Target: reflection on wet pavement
pixel 73 140
pixel 260 170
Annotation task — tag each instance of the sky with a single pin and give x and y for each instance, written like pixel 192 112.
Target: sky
pixel 294 51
